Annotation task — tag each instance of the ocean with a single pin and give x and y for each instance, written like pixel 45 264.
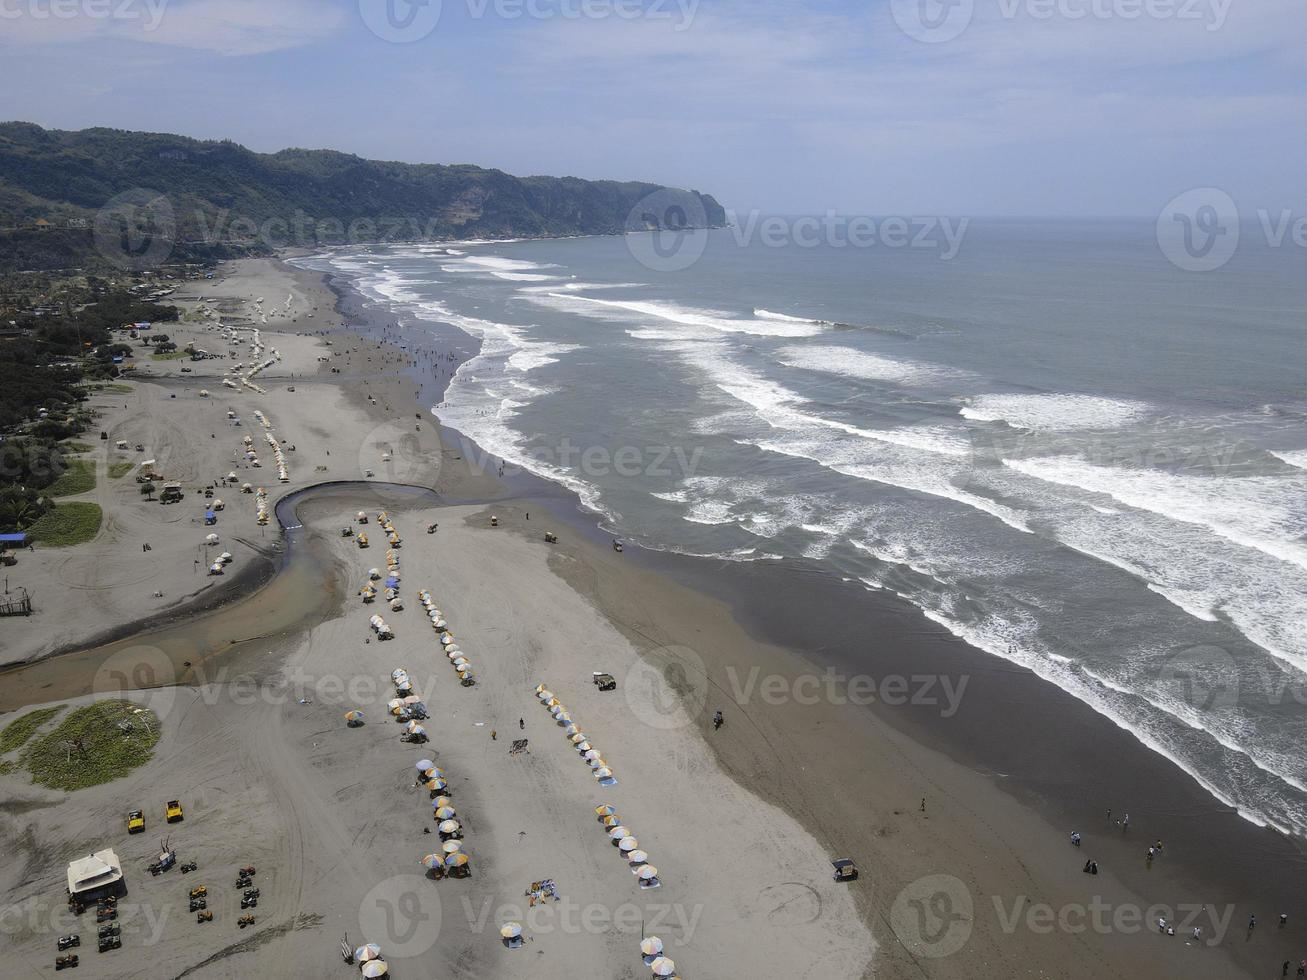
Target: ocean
pixel 1055 443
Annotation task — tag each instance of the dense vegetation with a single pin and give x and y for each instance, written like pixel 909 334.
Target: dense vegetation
pixel 212 195
pixel 43 371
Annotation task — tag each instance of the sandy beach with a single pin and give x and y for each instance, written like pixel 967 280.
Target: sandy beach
pixel 960 875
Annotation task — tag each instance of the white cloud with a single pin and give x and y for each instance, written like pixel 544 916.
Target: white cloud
pixel 225 27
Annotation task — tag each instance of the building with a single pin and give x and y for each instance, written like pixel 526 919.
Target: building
pixel 92 877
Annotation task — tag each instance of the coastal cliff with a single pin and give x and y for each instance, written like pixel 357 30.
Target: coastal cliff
pixel 212 196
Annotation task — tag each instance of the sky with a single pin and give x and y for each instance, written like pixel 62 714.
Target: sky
pixel 939 107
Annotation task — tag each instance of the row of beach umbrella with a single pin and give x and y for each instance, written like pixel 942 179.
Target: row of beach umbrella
pixel 580 741
pixel 450 858
pixel 261 506
pixel 448 642
pixel 406 696
pixel 623 838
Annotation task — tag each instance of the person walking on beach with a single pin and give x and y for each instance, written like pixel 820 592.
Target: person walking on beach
pixel 923 804
pixel 1109 814
pixel 718 720
pixel 521 724
pixel 1125 823
pixel 494 735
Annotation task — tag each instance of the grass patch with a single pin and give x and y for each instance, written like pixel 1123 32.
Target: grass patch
pixel 18 731
pixel 119 470
pixel 6 767
pixel 67 524
pixel 75 447
pixel 78 478
pixel 119 388
pixel 172 355
pixel 89 747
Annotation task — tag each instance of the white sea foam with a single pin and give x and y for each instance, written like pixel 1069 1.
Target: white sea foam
pixel 786 318
pixel 1060 412
pixel 1294 457
pixel 850 362
pixel 1259 512
pixel 697 319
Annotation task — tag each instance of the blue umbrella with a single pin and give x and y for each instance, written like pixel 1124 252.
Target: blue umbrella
pixel 392 582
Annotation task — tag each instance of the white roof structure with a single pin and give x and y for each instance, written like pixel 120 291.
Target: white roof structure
pixel 88 873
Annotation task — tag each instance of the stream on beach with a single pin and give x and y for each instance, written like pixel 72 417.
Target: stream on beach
pixel 209 645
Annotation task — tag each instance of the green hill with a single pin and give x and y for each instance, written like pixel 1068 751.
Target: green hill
pixel 206 197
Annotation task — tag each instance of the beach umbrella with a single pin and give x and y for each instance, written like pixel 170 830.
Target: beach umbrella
pixel 416 729
pixel 461 664
pixel 647 872
pixel 618 832
pixel 539 688
pixel 367 952
pixel 577 739
pixel 583 746
pixel 563 718
pixel 511 930
pixel 436 785
pixel 590 755
pixel 433 861
pixel 603 773
pixel 433 771
pixel 225 556
pixel 612 820
pixel 398 703
pixel 457 860
pixel 392 582
pixel 662 967
pixel 354 716
pixel 450 827
pixel 596 762
pixel 557 710
pixel 651 946
pixel 397 711
pixel 571 729
pixel 445 813
pixel 544 696
pixel 374 573
pixel 211 538
pixel 637 858
pixel 628 844
pixel 453 847
pixel 376 968
pixel 605 810
pixel 412 699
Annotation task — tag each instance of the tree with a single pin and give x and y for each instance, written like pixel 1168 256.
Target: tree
pixel 147 490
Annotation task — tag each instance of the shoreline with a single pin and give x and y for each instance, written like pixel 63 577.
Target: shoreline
pixel 995 840
pixel 1164 801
